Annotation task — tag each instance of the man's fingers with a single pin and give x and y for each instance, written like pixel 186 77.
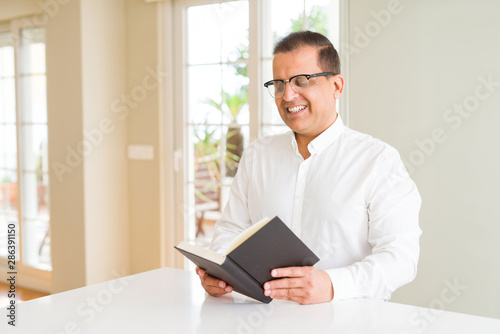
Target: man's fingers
pixel 210 281
pixel 304 285
pixel 285 288
pixel 212 285
pixel 286 293
pixel 288 272
pixel 284 283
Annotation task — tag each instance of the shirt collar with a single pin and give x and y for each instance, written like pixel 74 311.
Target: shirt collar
pixel 321 142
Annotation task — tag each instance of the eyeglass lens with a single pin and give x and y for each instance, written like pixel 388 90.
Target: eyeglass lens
pixel 299 84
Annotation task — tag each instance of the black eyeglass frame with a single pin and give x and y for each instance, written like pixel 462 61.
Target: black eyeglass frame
pixel 308 76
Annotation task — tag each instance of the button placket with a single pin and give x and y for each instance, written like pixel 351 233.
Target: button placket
pixel 298 198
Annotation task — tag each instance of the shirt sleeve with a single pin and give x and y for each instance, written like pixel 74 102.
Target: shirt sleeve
pixel 235 217
pixel 393 205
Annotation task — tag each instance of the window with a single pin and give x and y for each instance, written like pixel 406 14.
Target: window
pixel 23 144
pixel 225 58
pixel 8 140
pixel 217 127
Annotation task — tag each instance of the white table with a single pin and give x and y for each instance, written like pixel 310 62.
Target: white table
pixel 173 301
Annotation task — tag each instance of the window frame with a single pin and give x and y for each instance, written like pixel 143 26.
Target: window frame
pixel 35 278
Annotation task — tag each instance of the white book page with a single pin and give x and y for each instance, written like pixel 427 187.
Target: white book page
pixel 240 238
pixel 202 252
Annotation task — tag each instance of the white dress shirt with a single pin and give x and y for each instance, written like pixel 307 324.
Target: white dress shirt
pixel 351 202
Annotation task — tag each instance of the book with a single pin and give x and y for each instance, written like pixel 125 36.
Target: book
pixel 247 264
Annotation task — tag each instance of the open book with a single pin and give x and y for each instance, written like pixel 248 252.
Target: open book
pixel 251 256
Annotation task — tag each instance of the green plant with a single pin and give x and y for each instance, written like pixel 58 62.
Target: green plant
pixel 241 68
pixel 232 104
pixel 315 21
pixel 206 149
pixel 6 179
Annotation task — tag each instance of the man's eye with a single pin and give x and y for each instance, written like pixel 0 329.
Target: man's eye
pixel 301 82
pixel 279 85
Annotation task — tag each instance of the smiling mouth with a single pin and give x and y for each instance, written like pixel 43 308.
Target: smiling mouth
pixel 295 109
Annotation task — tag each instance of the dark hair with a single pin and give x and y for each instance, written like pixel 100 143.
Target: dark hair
pixel 328 58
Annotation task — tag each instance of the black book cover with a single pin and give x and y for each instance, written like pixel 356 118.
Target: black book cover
pixel 232 274
pixel 249 265
pixel 273 246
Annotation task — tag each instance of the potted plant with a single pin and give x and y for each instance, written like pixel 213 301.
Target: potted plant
pixel 232 104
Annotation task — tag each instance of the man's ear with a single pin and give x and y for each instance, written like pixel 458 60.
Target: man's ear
pixel 338 83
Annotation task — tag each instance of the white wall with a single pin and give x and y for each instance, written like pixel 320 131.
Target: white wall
pixel 89 209
pixel 407 74
pixel 143 119
pixel 65 124
pixel 105 179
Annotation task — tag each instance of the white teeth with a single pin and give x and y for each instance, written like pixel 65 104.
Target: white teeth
pixel 296 109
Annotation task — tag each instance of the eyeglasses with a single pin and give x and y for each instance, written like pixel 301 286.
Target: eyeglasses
pixel 299 84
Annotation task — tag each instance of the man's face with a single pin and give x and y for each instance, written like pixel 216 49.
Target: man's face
pixel 310 113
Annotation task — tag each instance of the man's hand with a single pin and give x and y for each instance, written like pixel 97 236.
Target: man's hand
pixel 304 285
pixel 213 286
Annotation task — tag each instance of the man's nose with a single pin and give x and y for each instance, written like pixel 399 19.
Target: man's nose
pixel 289 94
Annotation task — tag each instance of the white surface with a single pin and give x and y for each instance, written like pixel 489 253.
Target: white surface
pixel 429 59
pixel 172 301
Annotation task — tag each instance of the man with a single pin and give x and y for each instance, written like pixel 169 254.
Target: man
pixel 344 193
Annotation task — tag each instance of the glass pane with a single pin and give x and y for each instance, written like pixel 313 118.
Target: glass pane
pixel 29 195
pixel 32 51
pixel 206 143
pixel 284 15
pixel 43 195
pixel 188 211
pixel 35 148
pixel 218 32
pixel 288 16
pixel 6 56
pixel 204 94
pixel 236 138
pixel 324 18
pixel 7 92
pixel 35 196
pixel 5 39
pixel 204 34
pixel 8 147
pixel 235 96
pixel 7 100
pixel 234 21
pixel 216 94
pixel 205 213
pixel 8 192
pixel 207 196
pixel 317 13
pixel 33 99
pixel 36 244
